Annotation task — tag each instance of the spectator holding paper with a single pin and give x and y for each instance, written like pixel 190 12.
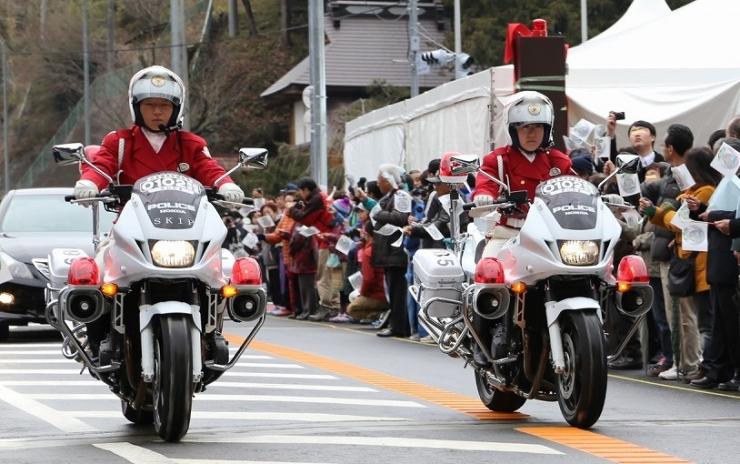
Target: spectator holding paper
pixel 697 187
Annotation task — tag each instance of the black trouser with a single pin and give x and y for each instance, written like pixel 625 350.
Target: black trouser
pixel 722 355
pixel 397 287
pixel 273 285
pixel 308 297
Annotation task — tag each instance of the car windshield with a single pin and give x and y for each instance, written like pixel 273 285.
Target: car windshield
pixel 50 213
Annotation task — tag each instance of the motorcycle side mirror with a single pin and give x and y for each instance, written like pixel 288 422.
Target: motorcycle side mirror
pixel 518 197
pixel 255 158
pixel 68 153
pixel 627 163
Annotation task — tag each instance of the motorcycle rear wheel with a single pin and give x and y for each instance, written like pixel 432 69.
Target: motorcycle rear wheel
pixel 173 377
pixel 496 400
pixel 582 386
pixel 136 416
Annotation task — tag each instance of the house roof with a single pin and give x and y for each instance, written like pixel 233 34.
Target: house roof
pixel 367 49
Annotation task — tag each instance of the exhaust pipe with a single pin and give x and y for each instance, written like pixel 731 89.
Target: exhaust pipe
pixel 83 304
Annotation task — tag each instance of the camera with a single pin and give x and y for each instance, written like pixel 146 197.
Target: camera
pixel 618 115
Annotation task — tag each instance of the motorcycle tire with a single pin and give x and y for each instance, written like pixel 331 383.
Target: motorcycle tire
pixel 494 399
pixel 136 416
pixel 582 385
pixel 173 382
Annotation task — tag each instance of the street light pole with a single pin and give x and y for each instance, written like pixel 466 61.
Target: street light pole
pixel 413 47
pixel 86 72
pixel 584 21
pixel 319 164
pixel 179 55
pixel 6 154
pixel 458 39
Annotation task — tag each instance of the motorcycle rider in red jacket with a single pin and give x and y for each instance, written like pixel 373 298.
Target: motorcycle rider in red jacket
pixel 155 142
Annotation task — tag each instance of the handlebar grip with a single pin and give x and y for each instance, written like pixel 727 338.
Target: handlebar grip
pixel 468 206
pixel 69 198
pixel 248 201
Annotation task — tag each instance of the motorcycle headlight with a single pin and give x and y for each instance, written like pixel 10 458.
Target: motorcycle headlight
pixel 173 253
pixel 579 252
pixel 16 268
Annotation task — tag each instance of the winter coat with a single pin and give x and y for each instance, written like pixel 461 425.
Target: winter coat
pixel 182 151
pixel 659 192
pixel 663 217
pixel 314 212
pixel 393 209
pixel 373 278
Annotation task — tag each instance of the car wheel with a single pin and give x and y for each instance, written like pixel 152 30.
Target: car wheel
pixel 4 331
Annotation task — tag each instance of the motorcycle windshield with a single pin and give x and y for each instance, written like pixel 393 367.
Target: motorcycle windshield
pixel 171 199
pixel 571 200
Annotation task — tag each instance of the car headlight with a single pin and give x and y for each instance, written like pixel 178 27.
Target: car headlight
pixel 173 253
pixel 579 252
pixel 16 268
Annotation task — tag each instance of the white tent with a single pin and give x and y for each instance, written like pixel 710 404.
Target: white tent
pixel 679 68
pixel 656 65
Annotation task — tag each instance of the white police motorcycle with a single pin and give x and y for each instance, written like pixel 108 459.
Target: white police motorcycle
pixel 145 316
pixel 535 309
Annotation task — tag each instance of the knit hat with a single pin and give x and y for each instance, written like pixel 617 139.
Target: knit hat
pixel 583 165
pixel 342 206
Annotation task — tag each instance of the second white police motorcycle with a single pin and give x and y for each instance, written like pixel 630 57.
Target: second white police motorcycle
pixel 145 315
pixel 535 310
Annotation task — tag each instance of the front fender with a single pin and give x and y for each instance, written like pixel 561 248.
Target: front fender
pixel 577 303
pixel 147 312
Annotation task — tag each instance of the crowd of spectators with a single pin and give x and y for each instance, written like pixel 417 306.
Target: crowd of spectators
pixel 346 256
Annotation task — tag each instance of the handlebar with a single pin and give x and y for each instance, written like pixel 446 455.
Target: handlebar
pixel 501 204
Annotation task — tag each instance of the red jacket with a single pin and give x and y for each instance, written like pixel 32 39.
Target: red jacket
pixel 182 151
pixel 373 278
pixel 522 174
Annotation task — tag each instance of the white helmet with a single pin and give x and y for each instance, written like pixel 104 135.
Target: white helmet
pixel 531 108
pixel 157 82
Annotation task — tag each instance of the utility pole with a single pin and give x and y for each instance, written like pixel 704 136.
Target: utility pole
pixel 413 46
pixel 319 169
pixel 179 51
pixel 458 38
pixel 43 9
pixel 6 154
pixel 584 20
pixel 110 24
pixel 233 14
pixel 86 72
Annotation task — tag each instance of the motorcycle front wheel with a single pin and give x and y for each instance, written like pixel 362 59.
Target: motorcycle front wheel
pixel 173 382
pixel 582 385
pixel 496 400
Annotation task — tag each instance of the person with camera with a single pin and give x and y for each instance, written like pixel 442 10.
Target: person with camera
pixel 642 139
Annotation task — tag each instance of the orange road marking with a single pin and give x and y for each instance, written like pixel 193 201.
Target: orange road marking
pixel 456 402
pixel 600 445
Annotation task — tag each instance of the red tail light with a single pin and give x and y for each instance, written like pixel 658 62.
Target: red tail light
pixel 246 271
pixel 632 269
pixel 83 271
pixel 489 271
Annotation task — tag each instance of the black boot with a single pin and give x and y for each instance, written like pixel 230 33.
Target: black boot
pixel 479 358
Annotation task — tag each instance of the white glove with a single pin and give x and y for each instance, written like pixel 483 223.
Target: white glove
pixel 85 189
pixel 483 200
pixel 231 192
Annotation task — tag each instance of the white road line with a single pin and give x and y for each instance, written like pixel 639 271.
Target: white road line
pixel 139 455
pixel 135 454
pixel 7 346
pixel 50 383
pixel 59 419
pixel 215 397
pixel 224 384
pixel 271 365
pixel 290 386
pixel 57 352
pixel 60 360
pixel 278 375
pixel 42 371
pixel 396 442
pixel 252 416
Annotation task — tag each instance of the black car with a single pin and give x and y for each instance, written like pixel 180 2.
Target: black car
pixel 32 223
